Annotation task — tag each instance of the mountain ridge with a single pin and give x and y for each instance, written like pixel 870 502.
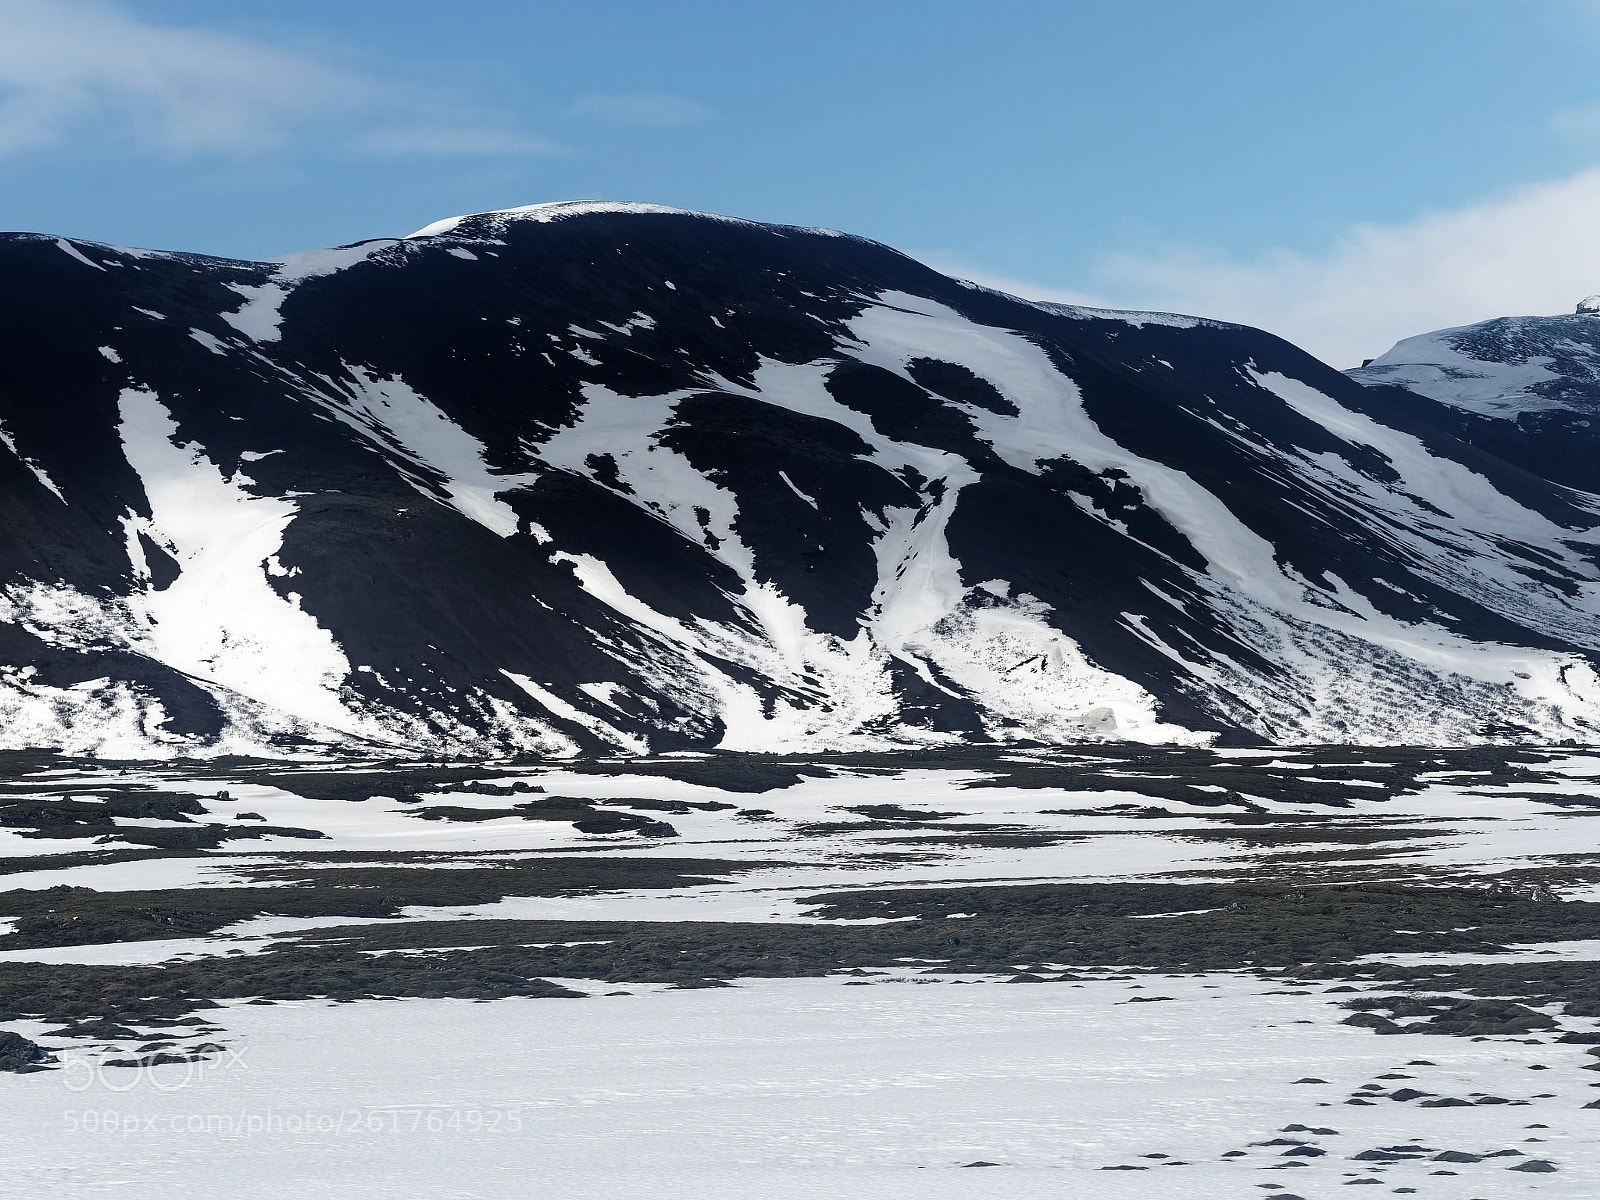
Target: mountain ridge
pixel 595 477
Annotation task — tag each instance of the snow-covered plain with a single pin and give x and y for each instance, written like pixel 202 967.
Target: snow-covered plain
pixel 1109 1082
pixel 805 1088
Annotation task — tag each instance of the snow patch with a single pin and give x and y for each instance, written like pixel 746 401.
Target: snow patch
pixel 39 473
pixel 811 500
pixel 1431 365
pixel 72 251
pixel 434 453
pixel 213 344
pixel 221 619
pixel 261 318
pixel 570 712
pixel 96 718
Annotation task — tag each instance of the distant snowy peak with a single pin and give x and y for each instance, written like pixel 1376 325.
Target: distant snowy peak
pixel 478 224
pixel 1501 368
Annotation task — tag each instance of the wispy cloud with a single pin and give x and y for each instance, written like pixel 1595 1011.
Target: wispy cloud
pixel 961 267
pixel 444 141
pixel 1580 124
pixel 1534 250
pixel 82 71
pixel 640 108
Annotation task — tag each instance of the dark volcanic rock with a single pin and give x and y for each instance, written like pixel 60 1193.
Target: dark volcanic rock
pixel 18 1054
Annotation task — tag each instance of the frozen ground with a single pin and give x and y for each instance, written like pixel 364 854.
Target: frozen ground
pixel 1128 974
pixel 807 1087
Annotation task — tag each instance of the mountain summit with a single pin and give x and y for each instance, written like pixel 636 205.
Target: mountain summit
pixel 617 478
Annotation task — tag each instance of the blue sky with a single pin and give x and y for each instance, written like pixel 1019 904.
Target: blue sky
pixel 1344 173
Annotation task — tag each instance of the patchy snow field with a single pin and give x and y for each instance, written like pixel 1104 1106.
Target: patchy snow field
pixel 266 1014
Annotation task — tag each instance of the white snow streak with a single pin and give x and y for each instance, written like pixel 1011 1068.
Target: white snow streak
pixel 39 473
pixel 394 416
pixel 221 620
pixel 577 716
pixel 72 251
pixel 260 318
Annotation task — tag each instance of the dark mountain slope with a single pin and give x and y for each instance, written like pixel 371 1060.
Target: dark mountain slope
pixel 614 477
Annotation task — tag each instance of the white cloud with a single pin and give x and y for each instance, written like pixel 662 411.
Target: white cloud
pixel 960 267
pixel 87 72
pixel 1533 250
pixel 640 108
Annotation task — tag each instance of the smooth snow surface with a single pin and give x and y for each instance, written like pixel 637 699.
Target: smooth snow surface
pixel 792 1088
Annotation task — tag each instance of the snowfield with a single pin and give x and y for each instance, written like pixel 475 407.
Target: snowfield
pixel 807 1088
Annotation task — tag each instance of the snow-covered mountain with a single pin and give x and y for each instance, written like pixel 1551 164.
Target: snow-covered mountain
pixel 586 477
pixel 1526 388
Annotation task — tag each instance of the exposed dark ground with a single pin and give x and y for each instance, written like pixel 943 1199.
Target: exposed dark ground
pixel 1312 884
